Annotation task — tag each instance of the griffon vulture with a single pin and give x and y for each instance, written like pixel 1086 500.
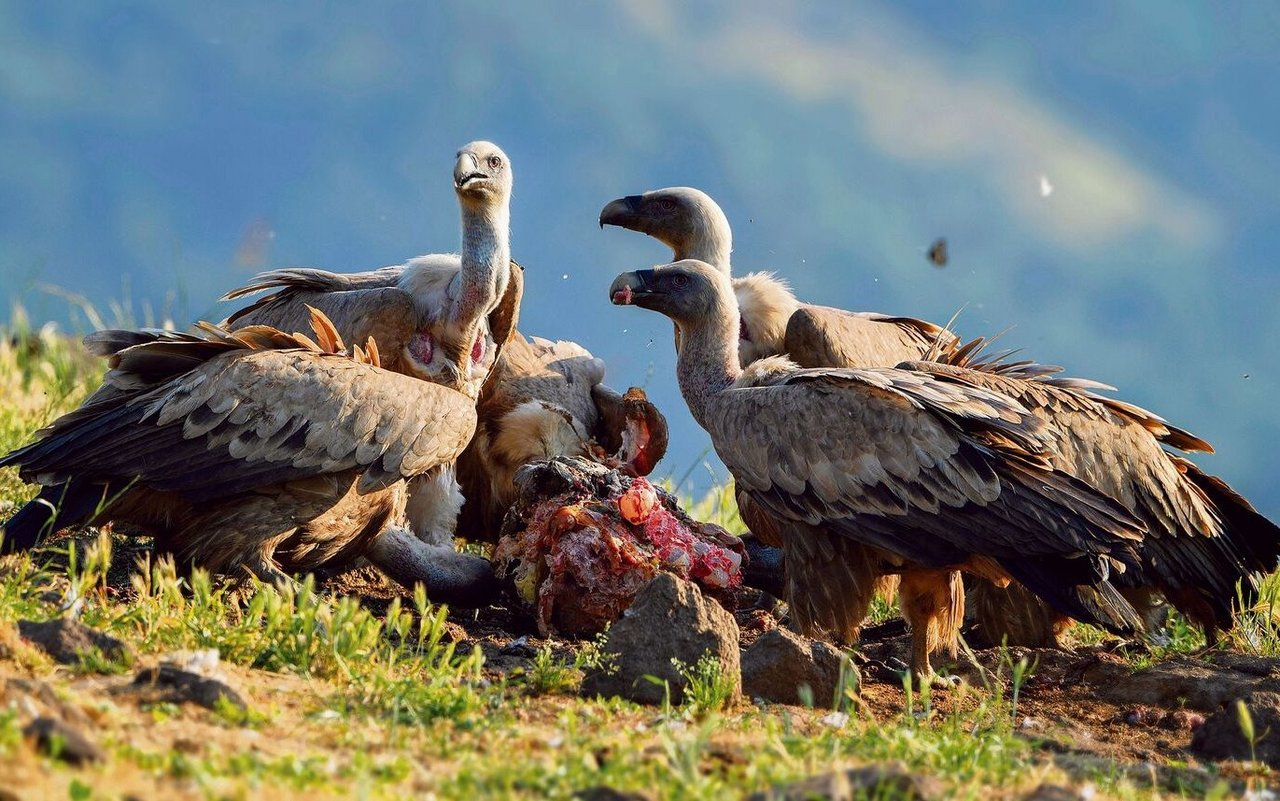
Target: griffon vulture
pixel 772 322
pixel 443 318
pixel 924 474
pixel 253 452
pixel 1202 538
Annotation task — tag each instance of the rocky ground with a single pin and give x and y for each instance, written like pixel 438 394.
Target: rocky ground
pixel 91 714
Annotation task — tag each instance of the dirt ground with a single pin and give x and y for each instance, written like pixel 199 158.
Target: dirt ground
pixel 1085 709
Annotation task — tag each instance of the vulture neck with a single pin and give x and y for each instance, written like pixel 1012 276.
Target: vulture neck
pixel 486 261
pixel 713 243
pixel 707 362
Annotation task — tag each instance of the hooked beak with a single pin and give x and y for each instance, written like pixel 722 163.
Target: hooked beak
pixel 623 212
pixel 467 171
pixel 627 288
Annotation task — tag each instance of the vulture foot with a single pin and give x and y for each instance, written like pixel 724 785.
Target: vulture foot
pixel 935 681
pixel 448 576
pixel 263 569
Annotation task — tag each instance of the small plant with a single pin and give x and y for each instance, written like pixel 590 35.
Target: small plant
pixel 592 657
pixel 1019 672
pixel 547 674
pixel 708 687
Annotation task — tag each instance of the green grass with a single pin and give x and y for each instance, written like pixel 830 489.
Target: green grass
pixel 346 702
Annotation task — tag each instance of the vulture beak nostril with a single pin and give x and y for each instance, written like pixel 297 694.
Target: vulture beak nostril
pixel 466 169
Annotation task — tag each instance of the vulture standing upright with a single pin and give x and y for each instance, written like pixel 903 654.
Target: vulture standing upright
pixel 773 323
pixel 252 452
pixel 541 399
pixel 1202 537
pixel 929 474
pixel 444 318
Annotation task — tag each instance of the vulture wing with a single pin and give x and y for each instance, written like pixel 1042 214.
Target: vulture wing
pixel 820 336
pixel 296 280
pixel 1202 537
pixel 258 409
pixel 931 470
pixel 504 318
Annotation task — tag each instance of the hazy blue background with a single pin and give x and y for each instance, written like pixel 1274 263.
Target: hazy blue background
pixel 165 151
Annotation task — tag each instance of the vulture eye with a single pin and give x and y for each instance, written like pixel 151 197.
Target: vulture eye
pixel 495 162
pixel 667 204
pixel 679 281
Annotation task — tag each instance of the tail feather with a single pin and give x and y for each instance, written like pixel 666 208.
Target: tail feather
pixel 55 508
pixel 1068 586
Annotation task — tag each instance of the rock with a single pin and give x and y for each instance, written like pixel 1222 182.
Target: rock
pixel 781 662
pixel 1052 792
pixel 602 793
pixel 55 738
pixel 670 619
pixel 67 640
pixel 1182 682
pixel 1222 735
pixel 36 698
pixel 893 780
pixel 175 685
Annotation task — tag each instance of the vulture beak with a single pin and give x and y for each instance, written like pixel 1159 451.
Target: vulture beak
pixel 623 212
pixel 627 288
pixel 467 170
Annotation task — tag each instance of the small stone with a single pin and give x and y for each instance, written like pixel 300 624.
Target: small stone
pixel 55 738
pixel 781 662
pixel 1181 720
pixel 1222 735
pixel 67 640
pixel 174 685
pixel 519 647
pixel 670 618
pixel 834 720
pixel 870 781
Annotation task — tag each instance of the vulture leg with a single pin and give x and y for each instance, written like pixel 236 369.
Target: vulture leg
pixel 433 507
pixel 449 577
pixel 932 603
pixel 1011 615
pixel 830 581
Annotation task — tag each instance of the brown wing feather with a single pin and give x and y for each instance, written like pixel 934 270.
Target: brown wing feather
pixel 385 314
pixel 250 416
pixel 830 444
pixel 1200 542
pixel 819 336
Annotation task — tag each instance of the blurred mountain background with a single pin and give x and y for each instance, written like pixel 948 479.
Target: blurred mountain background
pixel 1106 176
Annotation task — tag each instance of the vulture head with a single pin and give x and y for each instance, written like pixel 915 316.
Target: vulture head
pixel 683 218
pixel 687 291
pixel 482 175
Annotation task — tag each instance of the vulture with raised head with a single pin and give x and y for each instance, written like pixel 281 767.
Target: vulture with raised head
pixel 773 322
pixel 1202 537
pixel 540 400
pixel 890 471
pixel 252 452
pixel 443 318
